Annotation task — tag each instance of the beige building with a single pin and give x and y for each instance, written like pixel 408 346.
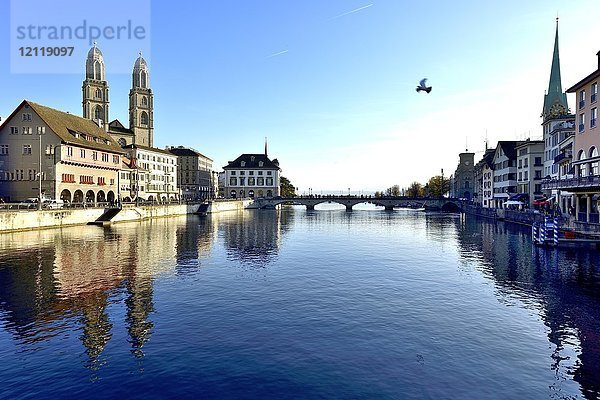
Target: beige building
pixel 195 177
pixel 530 168
pixel 250 176
pixel 78 160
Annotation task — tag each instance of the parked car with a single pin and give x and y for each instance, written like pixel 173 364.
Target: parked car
pixel 31 202
pixel 53 204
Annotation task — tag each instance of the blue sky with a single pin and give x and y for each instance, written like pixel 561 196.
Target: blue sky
pixel 338 104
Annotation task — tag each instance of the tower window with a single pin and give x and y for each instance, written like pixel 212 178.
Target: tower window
pixel 98 93
pixel 144 101
pixel 98 113
pixel 143 79
pixel 144 118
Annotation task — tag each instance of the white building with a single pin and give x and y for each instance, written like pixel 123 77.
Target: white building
pixel 155 178
pixel 505 172
pixel 252 175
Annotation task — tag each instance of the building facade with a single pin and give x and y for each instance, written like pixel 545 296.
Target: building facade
pixel 505 172
pixel 530 167
pixel 72 158
pixel 195 177
pixel 462 182
pixel 250 176
pixel 154 175
pixel 484 179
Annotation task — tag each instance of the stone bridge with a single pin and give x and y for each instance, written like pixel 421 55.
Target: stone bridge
pixel 438 204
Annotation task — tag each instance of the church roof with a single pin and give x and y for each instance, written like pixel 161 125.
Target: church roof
pixel 154 149
pixel 117 127
pixel 181 151
pixel 251 161
pixel 555 95
pixel 72 129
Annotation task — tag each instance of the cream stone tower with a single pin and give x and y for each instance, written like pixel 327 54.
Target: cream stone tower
pixel 141 105
pixel 95 89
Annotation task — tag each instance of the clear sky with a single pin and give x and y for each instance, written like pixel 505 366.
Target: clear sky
pixel 334 90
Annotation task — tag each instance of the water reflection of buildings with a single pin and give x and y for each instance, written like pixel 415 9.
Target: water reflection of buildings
pixel 563 285
pixel 254 237
pixel 64 280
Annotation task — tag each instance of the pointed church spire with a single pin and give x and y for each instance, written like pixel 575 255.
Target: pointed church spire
pixel 555 100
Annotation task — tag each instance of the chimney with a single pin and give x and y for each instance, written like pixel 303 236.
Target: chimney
pixel 598 54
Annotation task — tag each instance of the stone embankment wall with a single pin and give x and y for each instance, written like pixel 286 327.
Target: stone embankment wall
pixel 11 221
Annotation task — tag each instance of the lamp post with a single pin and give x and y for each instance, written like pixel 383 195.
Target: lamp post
pixel 442 188
pixel 40 170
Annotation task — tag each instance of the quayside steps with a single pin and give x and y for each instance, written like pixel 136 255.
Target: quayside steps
pixel 106 217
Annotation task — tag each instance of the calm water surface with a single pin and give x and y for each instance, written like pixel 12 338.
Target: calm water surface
pixel 295 304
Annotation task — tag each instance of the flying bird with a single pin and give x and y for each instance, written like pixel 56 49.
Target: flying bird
pixel 423 86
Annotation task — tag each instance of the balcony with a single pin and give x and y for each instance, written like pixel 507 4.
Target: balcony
pixel 564 156
pixel 584 182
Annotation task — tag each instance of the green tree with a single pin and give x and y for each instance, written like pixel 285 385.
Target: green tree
pixel 393 191
pixel 414 190
pixel 286 187
pixel 435 186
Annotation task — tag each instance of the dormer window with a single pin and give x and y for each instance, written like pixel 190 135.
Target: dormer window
pixel 252 159
pixel 260 163
pixel 243 164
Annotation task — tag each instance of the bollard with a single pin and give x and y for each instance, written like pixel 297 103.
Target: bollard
pixel 555 237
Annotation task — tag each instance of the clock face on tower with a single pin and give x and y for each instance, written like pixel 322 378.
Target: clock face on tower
pixel 557 109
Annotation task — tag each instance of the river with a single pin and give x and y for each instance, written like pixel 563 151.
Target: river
pixel 297 304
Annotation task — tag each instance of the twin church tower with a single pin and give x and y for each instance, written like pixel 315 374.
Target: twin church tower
pixel 141 102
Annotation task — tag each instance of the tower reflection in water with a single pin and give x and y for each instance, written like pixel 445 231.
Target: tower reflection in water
pixel 59 281
pixel 562 286
pixel 56 282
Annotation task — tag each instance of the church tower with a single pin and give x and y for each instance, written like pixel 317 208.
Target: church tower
pixel 141 105
pixel 95 88
pixel 555 100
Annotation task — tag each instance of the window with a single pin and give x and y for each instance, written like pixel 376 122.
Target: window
pixel 594 95
pixel 243 164
pixel 14 130
pixel 144 101
pixel 41 130
pixel 144 118
pixel 526 162
pixel 104 157
pixel 269 172
pixel 538 161
pixel 538 174
pixel 98 112
pixel 233 181
pixel 526 175
pixel 581 122
pixel 593 117
pixel 260 172
pixel 260 181
pixel 98 93
pixel 260 163
pixel 242 172
pixel 269 181
pixel 27 149
pixel 242 181
pixel 27 130
pixel 251 182
pixel 582 99
pixel 27 117
pixel 82 153
pixel 250 172
pixel 115 159
pixel 3 149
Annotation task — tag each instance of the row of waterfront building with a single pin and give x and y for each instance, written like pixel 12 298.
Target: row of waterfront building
pixel 48 153
pixel 561 171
